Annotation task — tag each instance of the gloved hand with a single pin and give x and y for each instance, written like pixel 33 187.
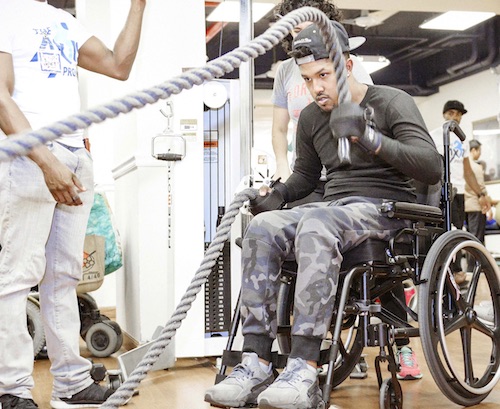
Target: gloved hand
pixel 350 121
pixel 272 201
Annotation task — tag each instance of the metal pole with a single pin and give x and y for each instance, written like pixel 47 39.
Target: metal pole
pixel 246 89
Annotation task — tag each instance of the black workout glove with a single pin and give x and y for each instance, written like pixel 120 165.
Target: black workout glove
pixel 349 119
pixel 273 201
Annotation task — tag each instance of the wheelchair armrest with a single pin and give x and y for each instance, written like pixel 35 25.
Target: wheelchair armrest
pixel 413 212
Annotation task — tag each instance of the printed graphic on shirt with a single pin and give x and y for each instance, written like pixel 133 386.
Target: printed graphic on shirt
pixel 456 151
pixel 57 54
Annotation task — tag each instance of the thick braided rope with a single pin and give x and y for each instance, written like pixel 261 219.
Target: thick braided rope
pixel 21 144
pixel 126 390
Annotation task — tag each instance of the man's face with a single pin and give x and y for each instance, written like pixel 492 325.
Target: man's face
pixel 475 153
pixel 453 114
pixel 321 82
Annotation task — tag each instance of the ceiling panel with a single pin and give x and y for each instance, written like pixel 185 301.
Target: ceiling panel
pixel 421 60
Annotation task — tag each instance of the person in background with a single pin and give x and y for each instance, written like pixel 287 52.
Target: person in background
pixel 290 94
pixel 475 216
pixel 460 173
pixel 386 158
pixel 45 197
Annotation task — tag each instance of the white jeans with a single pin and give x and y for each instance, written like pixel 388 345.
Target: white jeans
pixel 42 243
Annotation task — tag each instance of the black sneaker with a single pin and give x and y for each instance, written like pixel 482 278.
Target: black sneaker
pixel 15 402
pixel 91 397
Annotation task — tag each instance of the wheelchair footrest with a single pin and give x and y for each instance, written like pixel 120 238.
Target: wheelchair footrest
pixel 219 378
pixel 360 370
pixel 231 358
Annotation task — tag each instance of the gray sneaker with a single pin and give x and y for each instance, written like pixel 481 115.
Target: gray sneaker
pixel 296 388
pixel 242 386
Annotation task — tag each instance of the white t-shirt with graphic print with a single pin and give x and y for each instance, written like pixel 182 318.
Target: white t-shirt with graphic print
pixel 44 43
pixel 458 151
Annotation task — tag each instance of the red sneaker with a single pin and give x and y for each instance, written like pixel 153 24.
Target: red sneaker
pixel 408 364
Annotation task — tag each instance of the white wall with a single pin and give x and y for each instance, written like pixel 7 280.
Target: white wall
pixel 479 94
pixel 153 278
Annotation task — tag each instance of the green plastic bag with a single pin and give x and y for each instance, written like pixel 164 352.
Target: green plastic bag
pixel 101 224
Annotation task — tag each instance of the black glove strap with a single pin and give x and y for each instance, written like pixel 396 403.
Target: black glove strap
pixel 272 201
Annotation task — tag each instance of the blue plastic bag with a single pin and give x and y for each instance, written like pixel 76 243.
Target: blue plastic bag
pixel 101 224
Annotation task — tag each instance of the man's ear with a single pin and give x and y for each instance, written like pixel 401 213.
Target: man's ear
pixel 348 65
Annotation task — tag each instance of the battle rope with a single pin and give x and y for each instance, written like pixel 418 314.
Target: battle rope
pixel 21 144
pixel 126 390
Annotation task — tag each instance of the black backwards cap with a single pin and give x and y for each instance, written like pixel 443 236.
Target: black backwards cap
pixel 311 39
pixel 454 104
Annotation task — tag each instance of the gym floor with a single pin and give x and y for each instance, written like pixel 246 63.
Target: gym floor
pixel 183 386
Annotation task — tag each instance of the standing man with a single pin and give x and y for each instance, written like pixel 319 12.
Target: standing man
pixel 460 173
pixel 474 215
pixel 386 156
pixel 45 197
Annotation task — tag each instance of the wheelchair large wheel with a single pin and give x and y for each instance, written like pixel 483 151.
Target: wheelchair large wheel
pixel 350 348
pixel 460 349
pixel 89 312
pixel 35 324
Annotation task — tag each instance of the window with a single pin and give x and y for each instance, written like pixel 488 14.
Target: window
pixel 487 131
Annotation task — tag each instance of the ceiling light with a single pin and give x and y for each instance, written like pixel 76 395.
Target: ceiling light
pixel 229 11
pixel 372 63
pixel 456 20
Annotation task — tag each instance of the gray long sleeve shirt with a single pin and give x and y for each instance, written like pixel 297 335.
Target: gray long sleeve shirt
pixel 407 152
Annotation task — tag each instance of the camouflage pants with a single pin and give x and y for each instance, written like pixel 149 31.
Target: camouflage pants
pixel 316 235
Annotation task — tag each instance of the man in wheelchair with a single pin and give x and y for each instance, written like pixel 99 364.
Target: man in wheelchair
pixel 391 147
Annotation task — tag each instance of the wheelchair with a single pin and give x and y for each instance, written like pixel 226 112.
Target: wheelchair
pixel 461 350
pixel 102 335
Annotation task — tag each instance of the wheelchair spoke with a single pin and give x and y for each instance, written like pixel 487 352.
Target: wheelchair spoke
pixel 483 328
pixel 455 293
pixel 473 285
pixel 467 354
pixel 455 324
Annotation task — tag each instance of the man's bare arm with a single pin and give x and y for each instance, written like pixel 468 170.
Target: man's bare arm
pixel 117 63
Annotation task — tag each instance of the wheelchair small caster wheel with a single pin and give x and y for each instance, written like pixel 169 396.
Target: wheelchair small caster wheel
pixel 103 339
pixel 115 379
pixel 391 395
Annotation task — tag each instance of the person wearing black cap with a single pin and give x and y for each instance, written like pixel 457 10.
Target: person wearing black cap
pixel 387 153
pixel 460 173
